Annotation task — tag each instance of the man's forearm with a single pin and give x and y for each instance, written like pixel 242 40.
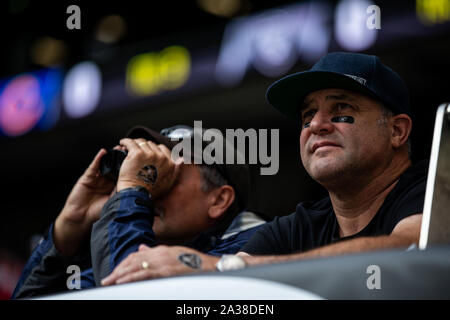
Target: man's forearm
pixel 340 248
pixel 126 222
pixel 68 235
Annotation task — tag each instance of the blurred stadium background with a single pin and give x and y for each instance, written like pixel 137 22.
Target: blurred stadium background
pixel 64 93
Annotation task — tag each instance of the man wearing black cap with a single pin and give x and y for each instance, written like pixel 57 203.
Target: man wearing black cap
pixel 356 121
pixel 156 200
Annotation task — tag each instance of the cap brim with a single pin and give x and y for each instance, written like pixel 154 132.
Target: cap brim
pixel 288 93
pixel 152 135
pixel 238 175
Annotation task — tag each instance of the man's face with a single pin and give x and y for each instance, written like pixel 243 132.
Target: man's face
pixel 333 148
pixel 183 212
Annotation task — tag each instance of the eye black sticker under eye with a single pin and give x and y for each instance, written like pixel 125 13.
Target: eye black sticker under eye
pixel 347 119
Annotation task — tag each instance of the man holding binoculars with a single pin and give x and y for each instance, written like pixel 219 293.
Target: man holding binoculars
pixel 155 200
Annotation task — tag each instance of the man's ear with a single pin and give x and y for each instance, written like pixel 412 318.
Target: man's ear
pixel 401 129
pixel 222 198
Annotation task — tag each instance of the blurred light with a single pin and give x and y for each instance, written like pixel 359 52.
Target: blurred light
pixel 314 35
pixel 275 51
pixel 111 28
pixel 47 51
pixel 82 89
pixel 433 11
pixel 29 101
pixel 51 82
pixel 150 73
pixel 21 106
pixel 273 41
pixel 223 8
pixel 350 25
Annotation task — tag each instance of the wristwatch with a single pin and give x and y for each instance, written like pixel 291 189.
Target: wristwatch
pixel 230 262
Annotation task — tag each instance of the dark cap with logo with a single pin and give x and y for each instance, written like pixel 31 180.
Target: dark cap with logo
pixel 236 174
pixel 343 70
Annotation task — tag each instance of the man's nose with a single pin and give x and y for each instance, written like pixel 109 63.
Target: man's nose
pixel 321 123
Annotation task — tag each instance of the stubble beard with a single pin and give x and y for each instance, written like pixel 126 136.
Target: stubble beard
pixel 335 172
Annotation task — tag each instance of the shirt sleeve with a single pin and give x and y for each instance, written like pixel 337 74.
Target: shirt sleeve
pixel 234 243
pixel 125 223
pixel 87 279
pixel 271 238
pixel 46 270
pixel 410 203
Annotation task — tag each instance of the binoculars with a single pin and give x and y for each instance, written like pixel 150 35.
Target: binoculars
pixel 110 163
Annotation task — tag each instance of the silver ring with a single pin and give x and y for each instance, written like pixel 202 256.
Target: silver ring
pixel 144 265
pixel 141 143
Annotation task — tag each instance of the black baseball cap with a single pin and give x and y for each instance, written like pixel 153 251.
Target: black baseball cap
pixel 237 175
pixel 344 70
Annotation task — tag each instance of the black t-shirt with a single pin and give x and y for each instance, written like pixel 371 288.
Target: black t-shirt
pixel 314 224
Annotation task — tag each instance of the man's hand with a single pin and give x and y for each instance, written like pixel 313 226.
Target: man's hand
pixel 148 165
pixel 82 208
pixel 161 261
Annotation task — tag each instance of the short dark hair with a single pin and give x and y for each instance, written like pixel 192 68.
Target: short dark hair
pixel 213 179
pixel 387 113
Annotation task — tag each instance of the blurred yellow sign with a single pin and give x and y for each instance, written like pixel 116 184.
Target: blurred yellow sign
pixel 433 11
pixel 153 72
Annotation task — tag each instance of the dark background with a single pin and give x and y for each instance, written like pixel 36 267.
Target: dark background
pixel 39 168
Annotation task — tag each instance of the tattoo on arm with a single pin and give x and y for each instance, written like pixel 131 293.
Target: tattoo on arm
pixel 148 174
pixel 191 260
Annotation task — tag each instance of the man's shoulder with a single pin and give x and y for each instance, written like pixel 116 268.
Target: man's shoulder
pixel 412 179
pixel 307 211
pixel 238 233
pixel 319 207
pixel 242 223
pixel 417 171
